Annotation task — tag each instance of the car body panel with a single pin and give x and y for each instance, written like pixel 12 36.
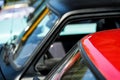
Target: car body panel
pixel 61 7
pixel 103 50
pixel 8 70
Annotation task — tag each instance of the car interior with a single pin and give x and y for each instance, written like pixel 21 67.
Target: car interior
pixel 64 43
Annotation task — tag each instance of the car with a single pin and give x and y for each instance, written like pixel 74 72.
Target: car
pixel 92 58
pixel 56 30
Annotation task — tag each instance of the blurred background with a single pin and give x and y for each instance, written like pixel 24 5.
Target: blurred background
pixel 14 17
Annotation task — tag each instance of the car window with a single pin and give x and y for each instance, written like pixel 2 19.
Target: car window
pixel 34 39
pixel 78 71
pixel 71 67
pixel 81 28
pixel 58 50
pixel 24 16
pixel 64 42
pixel 40 6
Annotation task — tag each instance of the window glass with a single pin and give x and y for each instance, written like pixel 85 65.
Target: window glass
pixel 79 71
pixel 71 67
pixel 81 28
pixel 62 45
pixel 34 39
pixel 57 51
pixel 40 6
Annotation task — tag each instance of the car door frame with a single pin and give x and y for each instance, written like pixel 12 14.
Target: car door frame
pixel 66 18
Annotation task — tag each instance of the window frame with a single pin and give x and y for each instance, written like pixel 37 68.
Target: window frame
pixel 66 18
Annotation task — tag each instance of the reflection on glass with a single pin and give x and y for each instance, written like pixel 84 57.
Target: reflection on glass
pixel 79 71
pixel 81 28
pixel 34 39
pixel 72 67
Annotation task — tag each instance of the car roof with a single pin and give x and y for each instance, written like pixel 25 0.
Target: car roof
pixel 103 49
pixel 61 7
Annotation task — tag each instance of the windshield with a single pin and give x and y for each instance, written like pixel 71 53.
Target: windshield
pixel 11 28
pixel 34 39
pixel 23 22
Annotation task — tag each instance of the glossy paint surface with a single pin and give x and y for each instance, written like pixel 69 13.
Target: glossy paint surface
pixel 103 49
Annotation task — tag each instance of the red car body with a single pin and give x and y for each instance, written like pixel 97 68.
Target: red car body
pixel 103 49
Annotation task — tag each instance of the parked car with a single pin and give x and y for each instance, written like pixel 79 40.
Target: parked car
pixel 92 58
pixel 43 45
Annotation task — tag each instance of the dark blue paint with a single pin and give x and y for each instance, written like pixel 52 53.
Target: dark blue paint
pixel 7 70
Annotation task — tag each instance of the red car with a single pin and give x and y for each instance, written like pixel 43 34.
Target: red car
pixel 96 56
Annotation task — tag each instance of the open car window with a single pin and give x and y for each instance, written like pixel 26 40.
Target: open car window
pixel 63 43
pixel 78 71
pixel 72 67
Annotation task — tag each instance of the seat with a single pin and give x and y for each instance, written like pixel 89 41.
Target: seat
pixel 56 50
pixel 55 53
